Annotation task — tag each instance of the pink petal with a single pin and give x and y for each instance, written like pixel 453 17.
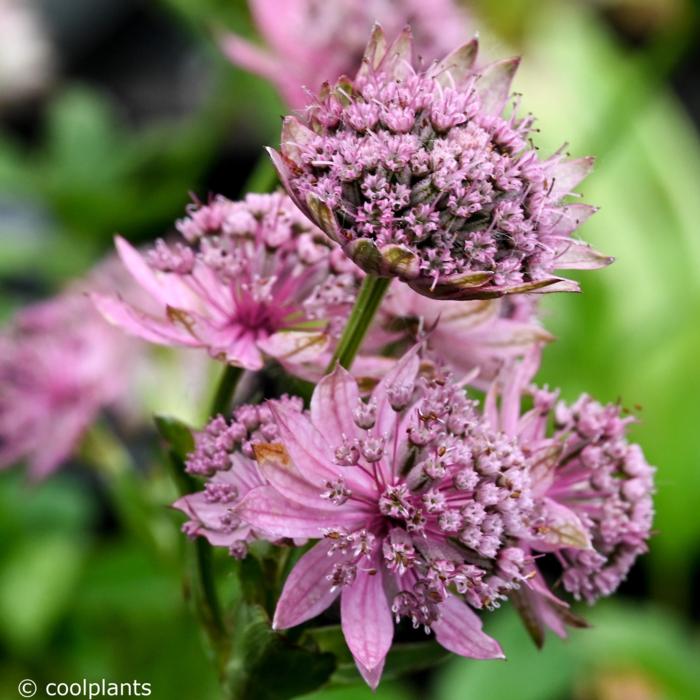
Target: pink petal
pixel 568 174
pixel 373 676
pixel 282 168
pixel 494 84
pixel 295 347
pixel 539 608
pixel 307 591
pixel 571 217
pixel 459 631
pixel 249 57
pixel 244 352
pixel 332 404
pixel 514 379
pixel 140 324
pixel 403 373
pixel 374 52
pixel 313 453
pixel 456 68
pixel 295 135
pixel 243 474
pixel 208 516
pixel 276 21
pixel 563 529
pixel 309 450
pixel 577 255
pixel 142 273
pixel 398 61
pixel 266 509
pixel 551 285
pixel 276 466
pixel 367 622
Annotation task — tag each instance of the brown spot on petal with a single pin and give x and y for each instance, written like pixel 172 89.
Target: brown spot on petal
pixel 272 452
pixel 181 318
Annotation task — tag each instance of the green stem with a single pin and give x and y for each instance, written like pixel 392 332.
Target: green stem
pixel 206 597
pixel 366 305
pixel 210 607
pixel 225 389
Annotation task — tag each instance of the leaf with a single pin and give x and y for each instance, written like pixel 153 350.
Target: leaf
pixel 270 667
pixel 527 674
pixel 178 436
pixel 176 433
pixel 403 658
pixel 37 580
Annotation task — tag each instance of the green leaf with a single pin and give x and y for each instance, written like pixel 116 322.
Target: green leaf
pixel 176 433
pixel 37 580
pixel 403 658
pixel 267 666
pixel 641 641
pixel 527 674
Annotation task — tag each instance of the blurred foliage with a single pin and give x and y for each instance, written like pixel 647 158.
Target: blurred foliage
pixel 81 596
pixel 644 646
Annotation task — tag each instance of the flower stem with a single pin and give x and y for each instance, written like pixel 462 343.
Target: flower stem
pixel 202 578
pixel 225 389
pixel 371 294
pixel 209 606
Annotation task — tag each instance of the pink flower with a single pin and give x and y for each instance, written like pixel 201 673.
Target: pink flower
pixel 417 504
pixel 60 364
pixel 224 453
pixel 249 278
pixel 593 490
pixel 467 336
pixel 309 41
pixel 417 174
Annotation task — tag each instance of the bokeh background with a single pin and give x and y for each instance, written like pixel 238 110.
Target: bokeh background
pixel 113 111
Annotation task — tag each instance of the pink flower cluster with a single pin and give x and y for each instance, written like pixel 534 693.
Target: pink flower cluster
pixel 593 487
pixel 424 507
pixel 417 174
pixel 245 278
pixel 224 452
pixel 60 364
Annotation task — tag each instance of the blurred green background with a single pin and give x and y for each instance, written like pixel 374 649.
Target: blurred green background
pixel 136 109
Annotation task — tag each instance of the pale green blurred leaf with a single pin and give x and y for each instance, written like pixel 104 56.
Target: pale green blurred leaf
pixel 37 579
pixel 526 674
pixel 639 641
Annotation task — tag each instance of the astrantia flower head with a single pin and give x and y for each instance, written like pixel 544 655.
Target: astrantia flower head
pixel 417 504
pixel 60 364
pixel 417 174
pixel 224 454
pixel 593 492
pixel 247 277
pixel 309 41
